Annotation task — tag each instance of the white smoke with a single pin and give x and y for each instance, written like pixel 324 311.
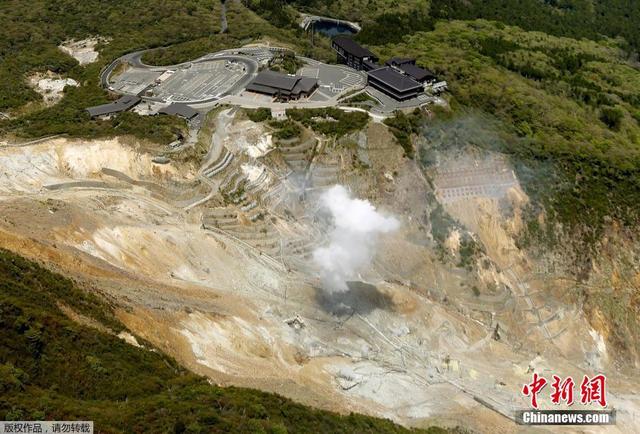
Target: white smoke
pixel 352 239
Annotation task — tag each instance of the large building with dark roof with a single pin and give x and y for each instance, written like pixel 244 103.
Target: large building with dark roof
pixel 354 55
pixel 393 83
pixel 282 86
pixel 123 104
pixel 409 67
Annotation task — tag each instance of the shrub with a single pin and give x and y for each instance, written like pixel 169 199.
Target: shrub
pixel 612 117
pixel 259 115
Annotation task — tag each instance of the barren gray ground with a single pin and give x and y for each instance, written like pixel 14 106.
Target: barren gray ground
pixel 210 261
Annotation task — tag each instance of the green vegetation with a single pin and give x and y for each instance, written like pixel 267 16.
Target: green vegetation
pixel 574 104
pixel 244 27
pixel 31 31
pixel 619 306
pixel 403 126
pixel 391 27
pixel 234 197
pixel 29 35
pixel 441 223
pixel 194 154
pixel 275 11
pixel 54 368
pixel 362 100
pixel 572 18
pixel 286 129
pixel 547 94
pixel 69 117
pixel 330 121
pixel 469 251
pixel 354 10
pixel 389 21
pixel 567 111
pixel 286 62
pixel 258 115
pixel 361 97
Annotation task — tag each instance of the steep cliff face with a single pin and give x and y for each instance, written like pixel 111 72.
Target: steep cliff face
pixel 484 190
pixel 611 295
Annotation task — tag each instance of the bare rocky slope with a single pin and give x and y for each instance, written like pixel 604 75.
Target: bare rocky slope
pixel 213 265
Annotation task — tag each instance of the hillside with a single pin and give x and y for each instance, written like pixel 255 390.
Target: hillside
pixel 30 34
pixel 570 120
pixel 60 359
pixel 392 19
pixel 515 194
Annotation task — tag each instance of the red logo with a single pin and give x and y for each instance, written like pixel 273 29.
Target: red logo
pixel 562 390
pixel 591 390
pixel 534 388
pixel 594 390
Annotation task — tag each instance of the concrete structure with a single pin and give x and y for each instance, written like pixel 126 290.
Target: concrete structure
pixel 282 86
pixel 439 87
pixel 182 110
pixel 125 103
pixel 354 55
pixel 393 83
pixel 164 76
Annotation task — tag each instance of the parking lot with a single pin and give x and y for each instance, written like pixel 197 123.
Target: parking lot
pixel 200 82
pixel 134 80
pixel 191 82
pixel 228 72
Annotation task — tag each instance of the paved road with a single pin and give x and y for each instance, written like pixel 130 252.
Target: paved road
pixel 134 59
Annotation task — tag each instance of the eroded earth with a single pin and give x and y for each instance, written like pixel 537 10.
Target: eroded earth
pixel 210 260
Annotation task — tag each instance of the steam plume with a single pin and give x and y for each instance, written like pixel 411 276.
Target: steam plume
pixel 352 239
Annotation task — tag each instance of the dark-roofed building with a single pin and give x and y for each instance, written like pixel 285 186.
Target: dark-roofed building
pixel 419 74
pixel 125 103
pixel 393 83
pixel 283 86
pixel 354 55
pixel 397 61
pixel 408 66
pixel 182 110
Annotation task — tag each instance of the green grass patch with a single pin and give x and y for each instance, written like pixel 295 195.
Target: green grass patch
pixel 286 129
pixel 403 126
pixel 258 115
pixel 331 122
